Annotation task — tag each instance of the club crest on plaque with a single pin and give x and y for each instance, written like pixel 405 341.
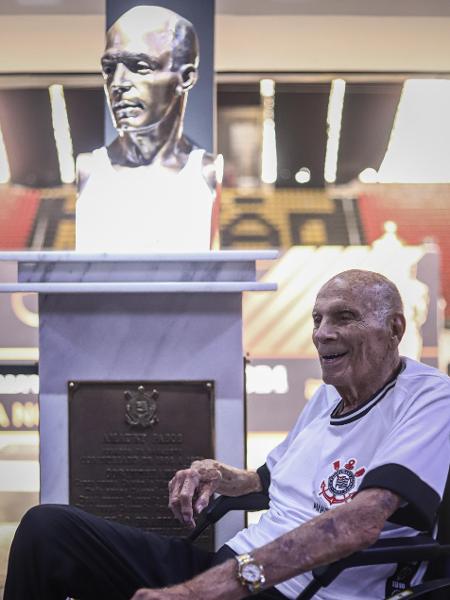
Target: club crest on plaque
pixel 141 407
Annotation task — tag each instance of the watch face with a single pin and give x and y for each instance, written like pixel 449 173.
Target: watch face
pixel 251 573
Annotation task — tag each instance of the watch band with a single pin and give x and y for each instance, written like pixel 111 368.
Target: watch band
pixel 250 573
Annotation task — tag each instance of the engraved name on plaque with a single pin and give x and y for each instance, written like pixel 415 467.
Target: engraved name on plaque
pixel 126 441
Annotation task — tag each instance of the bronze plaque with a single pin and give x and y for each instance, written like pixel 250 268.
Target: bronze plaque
pixel 127 439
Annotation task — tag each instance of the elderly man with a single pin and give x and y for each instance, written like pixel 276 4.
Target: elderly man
pixel 151 189
pixel 368 457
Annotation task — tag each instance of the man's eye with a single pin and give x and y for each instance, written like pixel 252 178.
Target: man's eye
pixel 316 321
pixel 107 69
pixel 142 67
pixel 346 316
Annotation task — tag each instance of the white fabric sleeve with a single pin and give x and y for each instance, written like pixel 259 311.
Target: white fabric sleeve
pixel 413 460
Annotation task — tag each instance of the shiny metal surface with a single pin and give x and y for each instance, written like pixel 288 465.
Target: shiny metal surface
pixel 149 66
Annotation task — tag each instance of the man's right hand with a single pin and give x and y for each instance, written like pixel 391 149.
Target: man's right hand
pixel 191 489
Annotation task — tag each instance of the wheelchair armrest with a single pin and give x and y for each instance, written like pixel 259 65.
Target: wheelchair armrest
pixel 394 550
pixel 413 549
pixel 218 507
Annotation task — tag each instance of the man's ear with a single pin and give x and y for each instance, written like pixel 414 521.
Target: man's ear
pixel 188 76
pixel 398 326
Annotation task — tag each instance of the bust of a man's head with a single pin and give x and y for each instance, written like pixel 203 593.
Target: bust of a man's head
pixel 149 64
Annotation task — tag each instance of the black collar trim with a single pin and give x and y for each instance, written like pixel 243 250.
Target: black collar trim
pixel 362 410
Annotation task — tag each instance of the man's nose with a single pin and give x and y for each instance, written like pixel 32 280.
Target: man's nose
pixel 325 331
pixel 121 80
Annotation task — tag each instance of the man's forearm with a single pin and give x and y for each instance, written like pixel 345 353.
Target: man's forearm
pixel 329 537
pixel 325 539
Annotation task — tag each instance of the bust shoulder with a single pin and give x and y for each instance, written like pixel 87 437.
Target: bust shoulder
pixel 210 166
pixel 211 169
pixel 84 166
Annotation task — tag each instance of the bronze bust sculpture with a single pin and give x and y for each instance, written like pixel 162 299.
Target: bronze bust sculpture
pixel 151 189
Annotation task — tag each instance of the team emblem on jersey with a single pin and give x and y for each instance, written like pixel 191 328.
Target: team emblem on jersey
pixel 339 486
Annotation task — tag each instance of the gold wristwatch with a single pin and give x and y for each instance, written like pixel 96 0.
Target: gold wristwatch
pixel 250 573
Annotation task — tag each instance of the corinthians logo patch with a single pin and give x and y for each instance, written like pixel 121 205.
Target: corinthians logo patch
pixel 339 485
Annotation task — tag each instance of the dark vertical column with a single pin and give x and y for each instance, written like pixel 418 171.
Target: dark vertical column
pixel 200 107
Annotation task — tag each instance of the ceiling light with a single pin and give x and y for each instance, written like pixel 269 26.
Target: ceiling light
pixel 61 130
pixel 5 173
pixel 267 87
pixel 368 175
pixel 269 152
pixel 303 175
pixel 269 163
pixel 419 145
pixel 334 122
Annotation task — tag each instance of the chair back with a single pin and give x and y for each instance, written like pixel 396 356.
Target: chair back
pixel 440 568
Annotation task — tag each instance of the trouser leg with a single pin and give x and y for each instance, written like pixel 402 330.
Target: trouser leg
pixel 60 551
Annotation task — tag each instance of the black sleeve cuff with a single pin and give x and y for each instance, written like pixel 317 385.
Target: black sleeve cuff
pixel 422 500
pixel 264 475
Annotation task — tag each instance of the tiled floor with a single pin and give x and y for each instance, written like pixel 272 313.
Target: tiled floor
pixel 6 534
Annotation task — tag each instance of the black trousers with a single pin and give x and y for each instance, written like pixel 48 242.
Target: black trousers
pixel 60 551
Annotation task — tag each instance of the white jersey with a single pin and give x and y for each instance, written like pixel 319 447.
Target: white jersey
pixel 398 440
pixel 144 209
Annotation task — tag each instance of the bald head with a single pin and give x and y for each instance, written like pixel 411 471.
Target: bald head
pixel 380 293
pixel 153 26
pixel 358 326
pixel 149 66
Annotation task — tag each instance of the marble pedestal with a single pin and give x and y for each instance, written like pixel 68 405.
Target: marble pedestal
pixel 161 317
